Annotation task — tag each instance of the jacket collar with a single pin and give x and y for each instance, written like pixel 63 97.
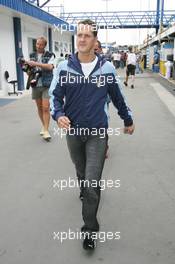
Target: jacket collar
pixel 74 63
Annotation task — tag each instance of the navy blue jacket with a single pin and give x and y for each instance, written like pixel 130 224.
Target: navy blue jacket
pixel 84 100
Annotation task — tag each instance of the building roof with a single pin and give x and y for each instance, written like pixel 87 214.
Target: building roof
pixel 167 34
pixel 26 8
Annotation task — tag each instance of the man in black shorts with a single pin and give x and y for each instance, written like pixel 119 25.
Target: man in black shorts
pixel 130 68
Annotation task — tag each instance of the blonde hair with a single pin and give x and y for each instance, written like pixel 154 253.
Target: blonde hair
pixel 43 39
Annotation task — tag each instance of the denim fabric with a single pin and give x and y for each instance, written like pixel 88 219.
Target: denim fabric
pixel 88 155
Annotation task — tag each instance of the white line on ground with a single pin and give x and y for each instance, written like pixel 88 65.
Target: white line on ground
pixel 166 97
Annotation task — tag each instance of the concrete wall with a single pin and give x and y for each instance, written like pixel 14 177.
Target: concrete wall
pixel 31 29
pixel 7 52
pixel 61 43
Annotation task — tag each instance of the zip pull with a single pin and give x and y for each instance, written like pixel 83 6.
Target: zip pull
pixel 98 82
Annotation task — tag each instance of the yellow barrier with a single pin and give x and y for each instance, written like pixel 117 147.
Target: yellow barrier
pixel 142 65
pixel 162 68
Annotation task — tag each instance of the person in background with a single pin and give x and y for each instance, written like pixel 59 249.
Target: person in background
pixel 116 59
pixel 138 63
pixel 98 48
pixel 130 68
pixel 58 60
pixel 42 60
pixel 156 59
pixel 125 58
pixel 122 59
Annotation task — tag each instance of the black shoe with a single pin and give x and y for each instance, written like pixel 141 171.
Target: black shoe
pixel 81 195
pixel 132 86
pixel 125 83
pixel 89 243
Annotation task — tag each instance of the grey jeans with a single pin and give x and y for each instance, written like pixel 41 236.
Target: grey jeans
pixel 88 155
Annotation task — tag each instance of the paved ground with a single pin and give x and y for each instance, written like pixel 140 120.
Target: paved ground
pixel 5 101
pixel 142 209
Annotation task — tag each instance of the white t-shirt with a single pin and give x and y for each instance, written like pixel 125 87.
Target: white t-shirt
pixel 116 56
pixel 88 67
pixel 131 59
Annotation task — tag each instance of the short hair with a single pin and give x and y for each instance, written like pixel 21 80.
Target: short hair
pixel 99 44
pixel 43 39
pixel 90 23
pixel 130 48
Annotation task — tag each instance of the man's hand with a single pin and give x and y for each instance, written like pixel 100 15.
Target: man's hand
pixel 31 63
pixel 129 130
pixel 44 66
pixel 63 122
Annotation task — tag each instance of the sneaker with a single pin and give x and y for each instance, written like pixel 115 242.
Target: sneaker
pixel 89 243
pixel 81 195
pixel 132 86
pixel 42 132
pixel 46 135
pixel 125 83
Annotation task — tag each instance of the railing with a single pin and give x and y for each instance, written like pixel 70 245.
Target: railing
pixel 122 19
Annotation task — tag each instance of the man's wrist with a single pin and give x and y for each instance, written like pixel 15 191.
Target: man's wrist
pixel 58 115
pixel 128 122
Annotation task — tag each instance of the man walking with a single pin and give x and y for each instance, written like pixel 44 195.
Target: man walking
pixel 116 59
pixel 130 68
pixel 43 61
pixel 78 104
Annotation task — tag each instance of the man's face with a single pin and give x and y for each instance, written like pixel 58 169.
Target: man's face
pixel 85 39
pixel 40 45
pixel 97 49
